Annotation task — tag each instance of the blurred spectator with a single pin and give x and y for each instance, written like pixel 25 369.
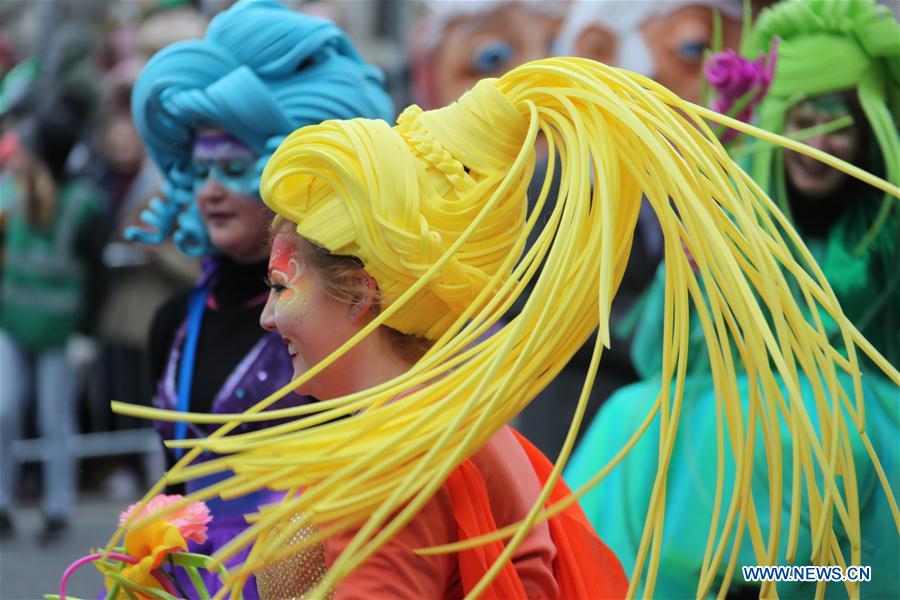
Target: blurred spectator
pixel 664 40
pixel 458 43
pixel 53 279
pixel 163 28
pixel 141 277
pixel 7 57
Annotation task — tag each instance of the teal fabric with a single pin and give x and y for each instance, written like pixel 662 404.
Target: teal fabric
pixel 617 507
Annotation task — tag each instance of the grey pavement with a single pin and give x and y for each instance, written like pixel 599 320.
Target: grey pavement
pixel 29 570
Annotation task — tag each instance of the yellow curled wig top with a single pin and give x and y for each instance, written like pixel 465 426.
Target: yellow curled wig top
pixel 416 192
pixel 435 207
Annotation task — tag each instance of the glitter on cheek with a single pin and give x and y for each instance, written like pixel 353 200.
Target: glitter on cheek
pixel 294 301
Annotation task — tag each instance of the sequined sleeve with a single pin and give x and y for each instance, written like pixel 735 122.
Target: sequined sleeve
pixel 295 575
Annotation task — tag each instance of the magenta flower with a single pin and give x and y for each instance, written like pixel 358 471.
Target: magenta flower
pixel 734 77
pixel 191 520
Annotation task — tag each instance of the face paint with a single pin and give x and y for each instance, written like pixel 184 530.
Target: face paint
pixel 818 110
pixel 227 159
pixel 286 275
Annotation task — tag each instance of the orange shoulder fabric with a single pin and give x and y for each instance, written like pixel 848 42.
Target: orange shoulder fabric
pixel 584 567
pixel 472 511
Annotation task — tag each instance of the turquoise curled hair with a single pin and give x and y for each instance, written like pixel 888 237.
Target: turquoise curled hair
pixel 261 72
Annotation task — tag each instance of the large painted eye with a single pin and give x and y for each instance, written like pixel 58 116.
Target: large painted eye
pixel 492 57
pixel 692 50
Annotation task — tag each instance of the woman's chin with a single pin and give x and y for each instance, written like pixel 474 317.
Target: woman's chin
pixel 300 367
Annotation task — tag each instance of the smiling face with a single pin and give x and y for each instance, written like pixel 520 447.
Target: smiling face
pixel 310 321
pixel 225 192
pixel 814 179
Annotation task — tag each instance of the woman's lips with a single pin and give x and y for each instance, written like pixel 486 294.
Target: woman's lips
pixel 290 346
pixel 812 167
pixel 218 219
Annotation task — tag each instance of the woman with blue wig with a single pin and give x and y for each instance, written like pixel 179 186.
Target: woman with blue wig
pixel 211 112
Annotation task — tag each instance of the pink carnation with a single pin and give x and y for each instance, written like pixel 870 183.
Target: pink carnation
pixel 191 520
pixel 733 76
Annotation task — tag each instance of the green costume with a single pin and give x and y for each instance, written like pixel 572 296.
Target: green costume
pixel 44 278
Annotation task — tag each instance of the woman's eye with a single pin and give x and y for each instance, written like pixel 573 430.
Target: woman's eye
pixel 492 57
pixel 803 122
pixel 275 287
pixel 201 171
pixel 692 50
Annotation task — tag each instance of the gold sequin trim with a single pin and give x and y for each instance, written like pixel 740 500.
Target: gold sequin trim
pixel 295 575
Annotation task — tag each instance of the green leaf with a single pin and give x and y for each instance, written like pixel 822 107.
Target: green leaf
pixel 128 585
pixel 198 583
pixel 189 559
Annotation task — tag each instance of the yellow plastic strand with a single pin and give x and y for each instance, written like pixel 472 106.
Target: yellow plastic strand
pixel 619 138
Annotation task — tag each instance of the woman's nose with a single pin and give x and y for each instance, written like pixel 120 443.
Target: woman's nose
pixel 209 190
pixel 267 318
pixel 819 142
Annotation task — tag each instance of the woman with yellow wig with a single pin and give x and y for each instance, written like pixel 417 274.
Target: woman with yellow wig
pixel 398 248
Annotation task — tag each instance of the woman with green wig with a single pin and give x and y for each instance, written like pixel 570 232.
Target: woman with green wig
pixel 836 87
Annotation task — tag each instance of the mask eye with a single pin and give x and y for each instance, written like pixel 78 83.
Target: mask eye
pixel 492 57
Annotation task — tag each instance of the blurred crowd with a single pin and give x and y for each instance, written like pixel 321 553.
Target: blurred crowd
pixel 76 311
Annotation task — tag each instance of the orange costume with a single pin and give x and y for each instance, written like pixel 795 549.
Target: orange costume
pixel 494 488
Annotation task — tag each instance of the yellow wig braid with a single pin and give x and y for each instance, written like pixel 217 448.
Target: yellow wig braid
pixel 436 209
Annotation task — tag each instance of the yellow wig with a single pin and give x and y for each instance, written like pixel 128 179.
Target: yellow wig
pixel 436 209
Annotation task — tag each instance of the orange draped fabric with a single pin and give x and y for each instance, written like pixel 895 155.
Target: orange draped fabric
pixel 584 567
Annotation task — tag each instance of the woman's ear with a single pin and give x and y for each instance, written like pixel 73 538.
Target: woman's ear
pixel 364 299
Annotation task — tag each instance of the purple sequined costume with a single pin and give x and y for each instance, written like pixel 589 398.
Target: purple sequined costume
pixel 265 369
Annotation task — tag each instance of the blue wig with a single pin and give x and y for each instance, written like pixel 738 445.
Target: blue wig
pixel 261 72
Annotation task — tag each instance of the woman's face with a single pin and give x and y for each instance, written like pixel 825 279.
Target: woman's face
pixel 488 44
pixel 225 191
pixel 312 323
pixel 121 145
pixel 810 177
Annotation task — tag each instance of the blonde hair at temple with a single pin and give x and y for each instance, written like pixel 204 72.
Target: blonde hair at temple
pixel 436 209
